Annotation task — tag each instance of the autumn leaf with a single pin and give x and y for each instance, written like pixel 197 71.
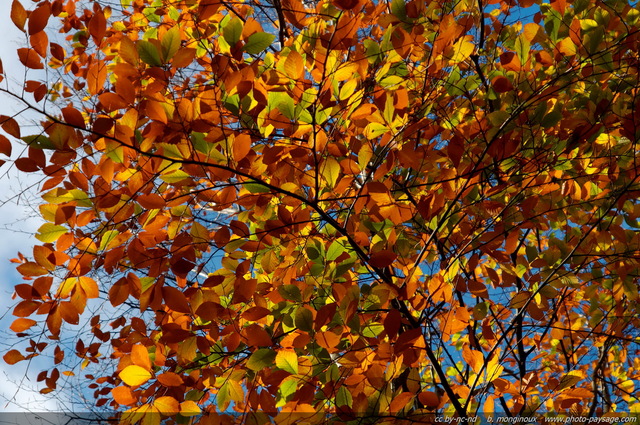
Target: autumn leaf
pixel 134 375
pixel 287 360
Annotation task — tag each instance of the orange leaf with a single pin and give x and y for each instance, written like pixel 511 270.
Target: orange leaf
pixel 112 101
pixel 89 287
pixel 18 14
pixel 25 308
pixel 21 324
pixel 241 146
pixel 30 58
pixel 510 61
pixel 170 379
pixel 140 356
pixel 189 408
pixel 474 358
pixel 152 201
pixel 97 26
pixel 175 300
pixel 96 77
pixel 328 340
pixel 5 146
pixel 429 399
pixel 501 84
pixel 257 336
pixel 294 65
pixel 119 292
pixel 13 357
pixel 400 402
pixel 123 396
pixel 167 405
pixel 31 269
pixel 40 42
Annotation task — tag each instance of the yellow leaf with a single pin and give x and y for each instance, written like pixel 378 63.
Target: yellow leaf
pixel 294 65
pixel 189 408
pixel 167 405
pixel 49 232
pixel 66 287
pixel 345 72
pixel 134 375
pixel 287 360
pixel 462 50
pixel 331 171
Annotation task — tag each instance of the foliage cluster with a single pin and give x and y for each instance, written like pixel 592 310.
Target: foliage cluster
pixel 380 209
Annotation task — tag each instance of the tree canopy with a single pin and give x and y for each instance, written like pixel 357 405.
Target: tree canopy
pixel 336 209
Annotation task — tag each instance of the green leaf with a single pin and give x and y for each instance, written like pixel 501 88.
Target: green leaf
pixel 170 43
pixel 399 9
pixel 174 176
pixel 256 188
pixel 304 319
pixel 335 250
pixel 148 53
pixel 343 397
pixel 232 31
pixel 107 237
pixel 372 330
pixel 39 142
pixel 258 42
pixel 287 360
pixel 261 359
pixel 290 292
pixel 287 388
pixel 49 232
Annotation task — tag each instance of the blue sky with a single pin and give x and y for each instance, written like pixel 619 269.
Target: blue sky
pixel 17 226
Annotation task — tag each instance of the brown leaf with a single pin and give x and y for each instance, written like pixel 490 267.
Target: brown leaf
pixel 38 18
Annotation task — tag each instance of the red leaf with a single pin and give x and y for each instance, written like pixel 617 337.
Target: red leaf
pixel 97 26
pixel 5 146
pixel 346 4
pixel 257 336
pixel 382 258
pixel 392 323
pixel 73 117
pixel 429 399
pixel 26 165
pixel 501 84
